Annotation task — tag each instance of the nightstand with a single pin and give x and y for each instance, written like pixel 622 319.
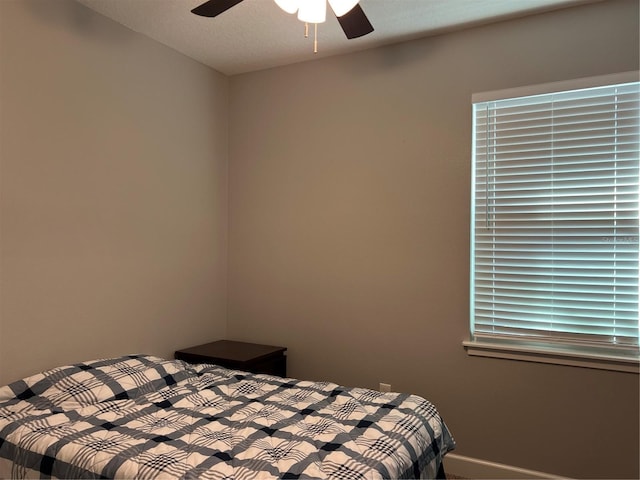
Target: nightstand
pixel 249 357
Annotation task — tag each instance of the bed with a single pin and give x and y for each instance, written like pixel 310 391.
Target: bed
pixel 141 416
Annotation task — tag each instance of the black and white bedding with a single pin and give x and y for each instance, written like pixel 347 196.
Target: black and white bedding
pixel 144 417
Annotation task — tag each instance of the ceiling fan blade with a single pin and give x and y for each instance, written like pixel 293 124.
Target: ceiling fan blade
pixel 355 23
pixel 213 8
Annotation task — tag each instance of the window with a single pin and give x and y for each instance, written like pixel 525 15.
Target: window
pixel 555 222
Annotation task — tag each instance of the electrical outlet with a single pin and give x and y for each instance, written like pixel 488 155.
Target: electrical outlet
pixel 385 387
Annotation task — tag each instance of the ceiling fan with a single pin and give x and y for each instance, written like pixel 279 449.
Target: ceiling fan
pixel 350 15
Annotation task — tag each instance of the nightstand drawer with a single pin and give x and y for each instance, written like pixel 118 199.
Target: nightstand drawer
pixel 249 357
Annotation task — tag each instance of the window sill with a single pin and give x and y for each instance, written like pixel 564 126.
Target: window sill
pixel 553 355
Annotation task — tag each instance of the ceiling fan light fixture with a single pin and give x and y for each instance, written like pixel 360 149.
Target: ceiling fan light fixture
pixel 312 11
pixel 341 7
pixel 352 20
pixel 289 6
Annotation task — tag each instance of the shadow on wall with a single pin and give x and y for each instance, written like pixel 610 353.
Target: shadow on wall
pixel 69 15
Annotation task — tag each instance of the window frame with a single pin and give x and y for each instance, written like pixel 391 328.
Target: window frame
pixel 539 350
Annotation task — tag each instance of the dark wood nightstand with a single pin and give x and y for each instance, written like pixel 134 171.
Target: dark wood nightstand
pixel 249 357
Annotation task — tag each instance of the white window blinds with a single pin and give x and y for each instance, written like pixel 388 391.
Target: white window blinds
pixel 555 220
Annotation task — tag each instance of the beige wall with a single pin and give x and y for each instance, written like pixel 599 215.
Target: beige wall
pixel 113 191
pixel 349 186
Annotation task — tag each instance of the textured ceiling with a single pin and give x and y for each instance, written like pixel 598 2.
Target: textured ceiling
pixel 256 34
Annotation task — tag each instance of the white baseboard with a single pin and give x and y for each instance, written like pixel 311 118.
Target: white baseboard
pixel 469 467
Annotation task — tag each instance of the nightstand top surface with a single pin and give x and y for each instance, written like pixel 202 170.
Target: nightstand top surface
pixel 232 350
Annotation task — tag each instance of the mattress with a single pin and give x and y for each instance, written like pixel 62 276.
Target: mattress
pixel 141 416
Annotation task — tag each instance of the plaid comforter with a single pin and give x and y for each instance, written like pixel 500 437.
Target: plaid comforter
pixel 145 417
